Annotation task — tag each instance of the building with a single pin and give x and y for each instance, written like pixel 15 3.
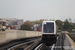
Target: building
pixel 13 23
pixel 19 23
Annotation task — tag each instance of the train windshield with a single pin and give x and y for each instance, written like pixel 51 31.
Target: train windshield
pixel 48 28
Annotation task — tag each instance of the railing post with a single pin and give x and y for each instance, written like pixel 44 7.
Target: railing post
pixel 63 37
pixel 62 40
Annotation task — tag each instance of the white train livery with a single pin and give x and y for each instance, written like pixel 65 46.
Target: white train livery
pixel 49 32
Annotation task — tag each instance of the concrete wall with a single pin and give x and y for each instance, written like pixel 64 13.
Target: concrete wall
pixel 68 43
pixel 2 37
pixel 17 34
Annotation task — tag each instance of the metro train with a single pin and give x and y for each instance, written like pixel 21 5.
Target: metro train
pixel 49 32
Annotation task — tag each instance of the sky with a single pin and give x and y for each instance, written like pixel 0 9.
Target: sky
pixel 37 9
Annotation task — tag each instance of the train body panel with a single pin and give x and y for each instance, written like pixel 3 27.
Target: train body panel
pixel 49 32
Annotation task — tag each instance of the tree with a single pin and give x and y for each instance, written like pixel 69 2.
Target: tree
pixel 67 25
pixel 73 26
pixel 27 26
pixel 57 27
pixel 40 21
pixel 59 24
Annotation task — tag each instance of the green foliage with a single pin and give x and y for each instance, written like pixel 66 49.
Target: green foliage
pixel 67 25
pixel 40 21
pixel 57 27
pixel 59 24
pixel 51 20
pixel 27 26
pixel 73 26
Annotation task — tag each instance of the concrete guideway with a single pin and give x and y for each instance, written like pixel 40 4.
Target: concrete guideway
pixel 9 35
pixel 68 43
pixel 43 46
pixel 18 45
pixel 64 42
pixel 21 43
pixel 37 48
pixel 30 46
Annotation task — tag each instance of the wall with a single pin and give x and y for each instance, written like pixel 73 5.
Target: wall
pixel 17 34
pixel 2 37
pixel 68 42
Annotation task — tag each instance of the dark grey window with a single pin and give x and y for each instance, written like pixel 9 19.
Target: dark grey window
pixel 48 28
pixel 0 22
pixel 4 23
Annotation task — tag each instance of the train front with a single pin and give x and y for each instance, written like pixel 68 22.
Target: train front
pixel 49 32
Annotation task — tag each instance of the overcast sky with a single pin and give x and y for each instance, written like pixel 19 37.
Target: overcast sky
pixel 37 9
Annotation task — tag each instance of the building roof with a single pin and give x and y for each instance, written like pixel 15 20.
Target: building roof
pixel 8 18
